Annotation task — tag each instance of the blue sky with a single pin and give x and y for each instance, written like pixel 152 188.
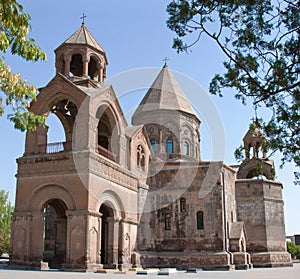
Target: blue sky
pixel 134 36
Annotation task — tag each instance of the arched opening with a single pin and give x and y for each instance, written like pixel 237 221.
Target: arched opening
pixel 140 157
pixel 60 124
pixel 167 222
pixel 200 221
pixel 93 70
pixel 186 148
pixel 107 235
pixel 153 145
pixel 170 146
pixel 256 173
pixel 104 134
pixel 182 205
pixel 55 233
pixel 107 137
pixel 76 65
pixel 56 134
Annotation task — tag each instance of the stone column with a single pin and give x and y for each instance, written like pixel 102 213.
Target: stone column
pixel 98 256
pixel 37 237
pixel 113 240
pixel 122 242
pixel 100 67
pixel 61 239
pixel 28 235
pixel 162 144
pixel 85 62
pixel 94 238
pixel 76 239
pixel 67 65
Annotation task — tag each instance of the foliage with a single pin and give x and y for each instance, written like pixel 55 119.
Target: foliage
pixel 293 249
pixel 6 210
pixel 261 41
pixel 17 93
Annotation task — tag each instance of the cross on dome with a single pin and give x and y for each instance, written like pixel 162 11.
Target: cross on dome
pixel 83 17
pixel 166 59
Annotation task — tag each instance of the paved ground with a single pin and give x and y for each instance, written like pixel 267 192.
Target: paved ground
pixel 275 273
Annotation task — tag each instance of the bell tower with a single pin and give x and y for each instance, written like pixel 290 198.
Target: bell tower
pixel 81 58
pixel 77 200
pixel 260 205
pixel 256 162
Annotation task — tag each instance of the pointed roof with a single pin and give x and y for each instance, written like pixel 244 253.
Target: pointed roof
pixel 253 133
pixel 83 37
pixel 165 93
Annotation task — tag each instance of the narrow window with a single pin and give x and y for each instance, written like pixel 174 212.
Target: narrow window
pixel 140 157
pixel 200 224
pixel 186 148
pixel 182 205
pixel 167 222
pixel 153 145
pixel 170 146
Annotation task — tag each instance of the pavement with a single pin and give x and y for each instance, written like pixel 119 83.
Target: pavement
pixel 265 273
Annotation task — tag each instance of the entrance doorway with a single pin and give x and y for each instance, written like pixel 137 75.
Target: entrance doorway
pixel 106 235
pixel 55 233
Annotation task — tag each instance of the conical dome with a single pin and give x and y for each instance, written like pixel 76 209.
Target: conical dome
pixel 83 37
pixel 171 123
pixel 165 94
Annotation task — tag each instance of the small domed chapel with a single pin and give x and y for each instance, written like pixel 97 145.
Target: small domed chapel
pixel 114 195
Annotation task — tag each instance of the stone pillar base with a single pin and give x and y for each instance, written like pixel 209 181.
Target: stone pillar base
pixel 26 265
pixel 205 261
pixel 271 259
pixel 90 267
pixel 241 260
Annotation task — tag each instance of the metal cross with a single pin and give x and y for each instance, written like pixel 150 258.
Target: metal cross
pixel 166 60
pixel 83 17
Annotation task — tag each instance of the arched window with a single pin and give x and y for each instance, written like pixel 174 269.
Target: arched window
pixel 182 205
pixel 186 148
pixel 92 69
pixel 169 147
pixel 153 145
pixel 76 65
pixel 167 222
pixel 140 157
pixel 200 223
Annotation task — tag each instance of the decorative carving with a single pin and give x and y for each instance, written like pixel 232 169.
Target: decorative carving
pixel 113 172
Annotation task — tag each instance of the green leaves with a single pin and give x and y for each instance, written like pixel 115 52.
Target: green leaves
pixel 293 249
pixel 17 93
pixel 6 210
pixel 261 40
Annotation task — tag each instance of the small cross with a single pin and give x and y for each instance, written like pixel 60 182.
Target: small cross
pixel 83 17
pixel 166 60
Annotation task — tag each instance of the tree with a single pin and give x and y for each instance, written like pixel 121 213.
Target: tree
pixel 17 93
pixel 292 249
pixel 261 43
pixel 6 210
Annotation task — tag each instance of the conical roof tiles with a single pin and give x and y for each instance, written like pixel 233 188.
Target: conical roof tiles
pixel 84 37
pixel 165 93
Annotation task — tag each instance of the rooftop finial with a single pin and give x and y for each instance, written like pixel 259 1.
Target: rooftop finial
pixel 83 17
pixel 166 59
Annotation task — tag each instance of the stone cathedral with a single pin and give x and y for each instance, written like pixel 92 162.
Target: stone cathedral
pixel 114 195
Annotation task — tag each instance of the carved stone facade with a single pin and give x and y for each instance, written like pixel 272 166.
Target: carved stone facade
pixel 114 195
